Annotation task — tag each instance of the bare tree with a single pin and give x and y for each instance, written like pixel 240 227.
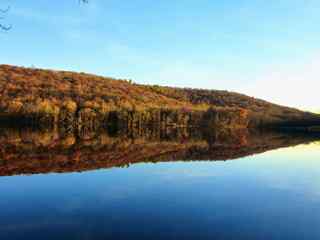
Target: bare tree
pixel 3 12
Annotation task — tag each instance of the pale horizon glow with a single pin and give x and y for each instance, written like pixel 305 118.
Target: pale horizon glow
pixel 295 85
pixel 268 50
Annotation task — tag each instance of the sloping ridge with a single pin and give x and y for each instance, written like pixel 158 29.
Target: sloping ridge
pixel 24 90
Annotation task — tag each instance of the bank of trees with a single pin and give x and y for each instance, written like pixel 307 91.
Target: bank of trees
pixel 29 90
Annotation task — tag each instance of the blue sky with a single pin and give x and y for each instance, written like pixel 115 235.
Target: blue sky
pixel 267 49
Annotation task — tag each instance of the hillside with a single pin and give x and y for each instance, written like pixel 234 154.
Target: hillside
pixel 53 96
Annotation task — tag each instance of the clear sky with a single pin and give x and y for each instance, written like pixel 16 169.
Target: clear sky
pixel 267 49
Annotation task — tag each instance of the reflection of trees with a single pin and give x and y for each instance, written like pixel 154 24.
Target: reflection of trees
pixel 33 151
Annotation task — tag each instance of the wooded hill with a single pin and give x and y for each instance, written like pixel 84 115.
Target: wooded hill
pixel 71 98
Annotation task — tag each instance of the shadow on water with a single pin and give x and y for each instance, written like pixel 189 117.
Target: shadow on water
pixel 32 151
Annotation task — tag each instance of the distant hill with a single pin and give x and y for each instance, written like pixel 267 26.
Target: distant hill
pixel 29 91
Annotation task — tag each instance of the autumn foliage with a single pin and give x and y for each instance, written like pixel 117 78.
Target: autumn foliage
pixel 61 96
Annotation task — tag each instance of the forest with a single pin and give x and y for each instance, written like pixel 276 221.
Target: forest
pixel 46 97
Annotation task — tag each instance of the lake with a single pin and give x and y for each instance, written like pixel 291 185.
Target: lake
pixel 159 185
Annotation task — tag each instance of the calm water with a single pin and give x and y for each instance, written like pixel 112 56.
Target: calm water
pixel 272 195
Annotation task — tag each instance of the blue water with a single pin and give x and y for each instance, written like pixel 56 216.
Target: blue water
pixel 275 195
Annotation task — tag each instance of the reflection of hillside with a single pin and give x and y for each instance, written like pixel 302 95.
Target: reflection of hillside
pixel 31 152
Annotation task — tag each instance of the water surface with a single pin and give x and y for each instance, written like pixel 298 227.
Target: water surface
pixel 271 195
